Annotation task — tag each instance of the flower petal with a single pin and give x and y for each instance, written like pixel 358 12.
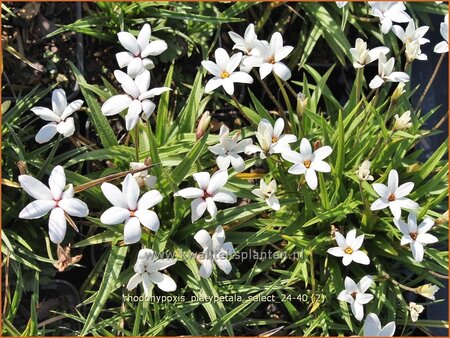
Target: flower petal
pixel 149 199
pixel 211 207
pixel 282 71
pixel 154 48
pixel 131 191
pixel 394 206
pixel 305 148
pixel 311 178
pixel 381 189
pixel 212 67
pixel 241 77
pixel 74 207
pixel 57 182
pixel 163 281
pixel 202 179
pixel 372 325
pixel 321 166
pixel 71 108
pixel 46 114
pixel 213 84
pixel 273 202
pixel 404 189
pixel 144 36
pixel 322 152
pixel 37 209
pixel 190 193
pixel 198 208
pixel 336 251
pixel 393 180
pixel 224 196
pixel 360 257
pixel 365 283
pixel 148 218
pixel 114 215
pixel 129 42
pixel 59 101
pixel 114 195
pixel 217 181
pixel 132 231
pixel 379 204
pixel 134 281
pixel 224 265
pixel 204 239
pixel 46 133
pixel 124 58
pixel 57 225
pixel 206 268
pixel 426 238
pixel 35 188
pixel 116 104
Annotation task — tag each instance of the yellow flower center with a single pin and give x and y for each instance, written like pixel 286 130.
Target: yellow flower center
pixel 307 164
pixel 348 251
pixel 274 139
pixel 224 75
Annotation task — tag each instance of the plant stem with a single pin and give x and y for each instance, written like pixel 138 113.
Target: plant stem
pixel 288 104
pixel 430 82
pixel 404 287
pixel 274 100
pixel 136 141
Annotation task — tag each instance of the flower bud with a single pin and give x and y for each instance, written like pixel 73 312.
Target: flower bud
pixel 317 145
pixel 398 92
pixel 203 125
pixel 427 291
pixel 364 172
pixel 302 101
pixel 403 122
pixel 415 310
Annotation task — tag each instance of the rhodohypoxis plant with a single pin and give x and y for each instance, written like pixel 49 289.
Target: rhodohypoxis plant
pixel 136 99
pixel 442 47
pixel 386 73
pixel 215 250
pixel 54 199
pixel 224 71
pixel 348 248
pixel 143 177
pixel 393 195
pixel 270 139
pixel 136 59
pixel 416 235
pixel 58 116
pixel 210 190
pixel 128 208
pixel 363 172
pixel 389 12
pixel 147 269
pixel 267 192
pixel 363 56
pixel 403 122
pixel 307 162
pixel 411 34
pixel 355 295
pixel 228 150
pixel 372 327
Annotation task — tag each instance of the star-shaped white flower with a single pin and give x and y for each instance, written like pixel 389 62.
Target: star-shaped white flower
pixel 136 98
pixel 55 199
pixel 411 33
pixel 386 74
pixel 364 172
pixel 210 190
pixel 60 122
pixel 270 139
pixel 128 208
pixel 143 177
pixel 247 43
pixel 228 150
pixel 442 47
pixel 363 56
pixel 267 192
pixel 428 291
pixel 308 162
pixel 348 248
pixel 269 56
pixel 372 327
pixel 355 295
pixel 389 12
pixel 403 122
pixel 416 236
pixel 147 269
pixel 136 59
pixel 393 196
pixel 413 51
pixel 224 72
pixel 214 250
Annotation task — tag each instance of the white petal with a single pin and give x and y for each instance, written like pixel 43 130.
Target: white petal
pixel 66 128
pixel 148 218
pixel 213 84
pixel 223 162
pixel 297 169
pixel 404 189
pixel 233 63
pixel 350 285
pixel 202 179
pixel 35 188
pixel 127 83
pixel 57 225
pixel 224 265
pixel 441 47
pixel 360 257
pixel 282 71
pixel 37 209
pixel 365 283
pixel 282 53
pixel 190 193
pixel 57 182
pixel 265 70
pixel 388 330
pixel 425 226
pixel 305 148
pixel 149 199
pixel 336 251
pixel 59 101
pixel 346 259
pixel 381 189
pixel 217 181
pixel 46 133
pixel 292 156
pixel 376 82
pixel 340 240
pixel 129 42
pixel 322 152
pixel 114 195
pixel 161 264
pixel 124 58
pixel 198 208
pixel 237 162
pixel 406 203
pixel 358 310
pixel 46 114
pixel 153 92
pixel 363 298
pixel 148 107
pixel 211 207
pixel 143 81
pixel 114 215
pixel 212 68
pixel 134 281
pixel 154 48
pixel 321 166
pixel 116 104
pixel 395 209
pixel 132 231
pixel 144 36
pixel 273 202
pixel 379 204
pixel 222 58
pixel 228 85
pixel 372 325
pixel 135 67
pixel 241 77
pixel 206 268
pixel 357 242
pixel 74 207
pixel 131 191
pixel 163 281
pixel 311 178
pixel 426 239
pixel 71 108
pixel 204 239
pixel 224 196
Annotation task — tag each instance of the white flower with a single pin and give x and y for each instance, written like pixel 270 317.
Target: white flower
pixel 427 291
pixel 386 74
pixel 403 122
pixel 247 43
pixel 442 47
pixel 136 98
pixel 60 122
pixel 210 190
pixel 415 310
pixel 147 269
pixel 372 327
pixel 355 295
pixel 224 72
pixel 267 192
pixel 341 4
pixel 363 56
pixel 270 139
pixel 348 248
pixel 136 59
pixel 308 162
pixel 364 172
pixel 55 199
pixel 142 177
pixel 269 56
pixel 413 51
pixel 228 149
pixel 393 196
pixel 214 250
pixel 416 236
pixel 388 12
pixel 128 208
pixel 411 34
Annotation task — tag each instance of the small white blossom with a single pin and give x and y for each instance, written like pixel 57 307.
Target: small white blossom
pixel 388 12
pixel 136 98
pixel 59 117
pixel 415 310
pixel 210 190
pixel 341 4
pixel 411 34
pixel 128 208
pixel 136 59
pixel 348 248
pixel 393 196
pixel 386 74
pixel 143 177
pixel 403 122
pixel 428 291
pixel 308 162
pixel 247 43
pixel 55 200
pixel 372 327
pixel 267 192
pixel 355 295
pixel 224 72
pixel 147 269
pixel 413 52
pixel 364 172
pixel 270 139
pixel 416 236
pixel 214 250
pixel 228 150
pixel 363 56
pixel 442 47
